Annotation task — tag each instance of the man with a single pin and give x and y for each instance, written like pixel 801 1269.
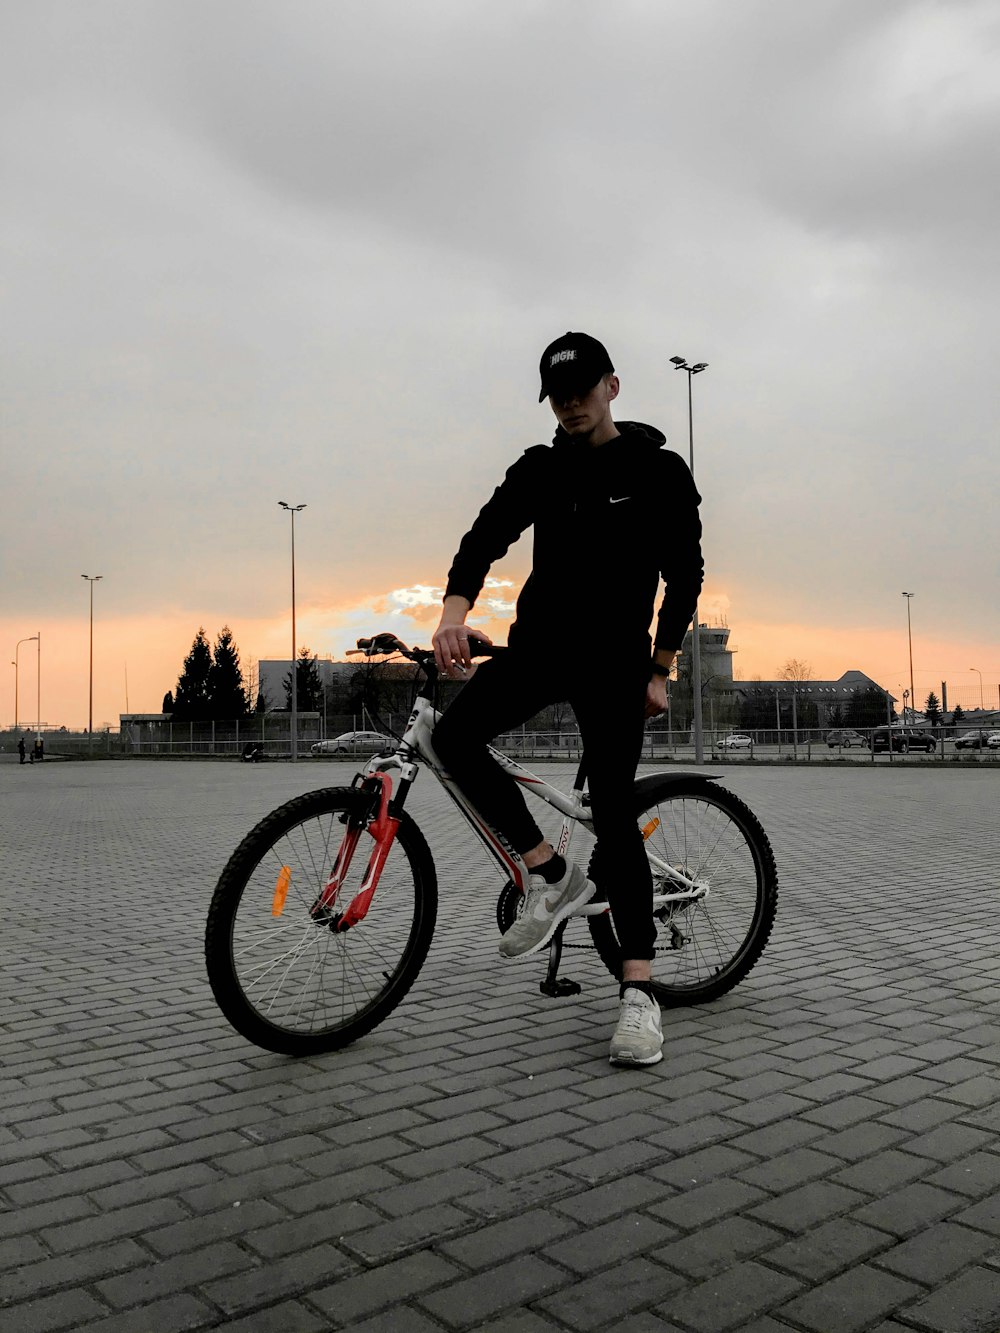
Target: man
pixel 612 511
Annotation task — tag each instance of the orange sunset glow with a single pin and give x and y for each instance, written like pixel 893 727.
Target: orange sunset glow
pixel 144 655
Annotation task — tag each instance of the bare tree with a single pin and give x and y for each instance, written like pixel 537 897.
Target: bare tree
pixel 795 669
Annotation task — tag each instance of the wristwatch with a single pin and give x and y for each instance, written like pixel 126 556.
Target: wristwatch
pixel 656 669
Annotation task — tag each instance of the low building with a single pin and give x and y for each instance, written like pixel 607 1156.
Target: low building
pixel 825 695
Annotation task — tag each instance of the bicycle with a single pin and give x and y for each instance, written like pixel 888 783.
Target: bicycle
pixel 309 945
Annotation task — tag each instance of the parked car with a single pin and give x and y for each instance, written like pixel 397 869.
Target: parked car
pixel 993 740
pixel 972 740
pixel 735 743
pixel 845 737
pixel 355 742
pixel 904 739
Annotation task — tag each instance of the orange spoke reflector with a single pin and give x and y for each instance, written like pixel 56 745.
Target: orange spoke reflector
pixel 650 829
pixel 281 891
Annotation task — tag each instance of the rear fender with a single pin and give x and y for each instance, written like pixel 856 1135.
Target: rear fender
pixel 654 783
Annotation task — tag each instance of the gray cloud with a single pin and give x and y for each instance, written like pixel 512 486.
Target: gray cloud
pixel 315 248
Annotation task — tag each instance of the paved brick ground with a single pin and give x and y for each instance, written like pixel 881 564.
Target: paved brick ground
pixel 819 1151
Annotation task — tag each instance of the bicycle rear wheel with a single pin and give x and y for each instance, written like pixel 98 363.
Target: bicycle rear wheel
pixel 285 980
pixel 703 947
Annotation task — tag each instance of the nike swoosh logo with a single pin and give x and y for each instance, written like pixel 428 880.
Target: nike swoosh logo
pixel 546 905
pixel 620 498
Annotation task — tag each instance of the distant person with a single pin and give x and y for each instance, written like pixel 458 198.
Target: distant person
pixel 612 512
pixel 38 753
pixel 20 748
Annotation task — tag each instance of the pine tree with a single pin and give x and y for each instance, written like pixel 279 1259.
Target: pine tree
pixel 932 709
pixel 866 708
pixel 191 698
pixel 168 703
pixel 308 690
pixel 958 717
pixel 227 698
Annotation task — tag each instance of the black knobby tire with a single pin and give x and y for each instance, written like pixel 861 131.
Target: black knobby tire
pixel 704 948
pixel 289 983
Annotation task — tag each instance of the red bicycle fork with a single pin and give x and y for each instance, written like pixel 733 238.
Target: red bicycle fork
pixel 382 826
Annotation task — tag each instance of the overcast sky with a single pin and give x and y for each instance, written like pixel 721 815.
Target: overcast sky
pixel 312 252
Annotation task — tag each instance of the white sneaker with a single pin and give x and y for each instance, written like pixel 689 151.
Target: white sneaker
pixel 545 905
pixel 638 1038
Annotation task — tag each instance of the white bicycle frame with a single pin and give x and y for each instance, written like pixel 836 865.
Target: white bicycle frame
pixel 416 747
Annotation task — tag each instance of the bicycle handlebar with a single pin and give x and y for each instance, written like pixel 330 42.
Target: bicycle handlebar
pixel 388 642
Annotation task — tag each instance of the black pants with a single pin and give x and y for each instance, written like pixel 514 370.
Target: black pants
pixel 609 702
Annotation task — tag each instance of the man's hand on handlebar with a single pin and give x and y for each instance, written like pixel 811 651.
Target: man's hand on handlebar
pixel 656 696
pixel 454 642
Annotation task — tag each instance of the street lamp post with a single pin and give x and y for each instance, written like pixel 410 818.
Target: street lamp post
pixel 90 716
pixel 293 510
pixel 17 658
pixel 982 702
pixel 909 636
pixel 679 363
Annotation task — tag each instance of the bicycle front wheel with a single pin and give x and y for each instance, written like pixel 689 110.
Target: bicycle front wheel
pixel 283 978
pixel 706 946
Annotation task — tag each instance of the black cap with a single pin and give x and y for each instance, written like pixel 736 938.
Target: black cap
pixel 573 363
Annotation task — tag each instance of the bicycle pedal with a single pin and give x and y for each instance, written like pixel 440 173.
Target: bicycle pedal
pixel 559 987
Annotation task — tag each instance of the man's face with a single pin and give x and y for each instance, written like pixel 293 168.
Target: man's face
pixel 586 412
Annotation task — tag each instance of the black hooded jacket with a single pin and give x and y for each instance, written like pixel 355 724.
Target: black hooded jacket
pixel 609 522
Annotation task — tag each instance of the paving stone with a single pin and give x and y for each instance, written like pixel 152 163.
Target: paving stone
pixel 79 1269
pixel 827 1249
pixel 697 1168
pixel 788 1170
pixel 882 1172
pixel 400 1319
pixel 970 1303
pixel 534 1157
pixel 985 1215
pixel 808 1205
pixel 731 1298
pixel 909 1209
pixel 287 1276
pixel 949 1142
pixel 974 1175
pixel 387 1240
pixel 938 1252
pixel 850 1302
pixel 466 1303
pixel 499 1241
pixel 62 1309
pixel 286 1317
pixel 702 1204
pixel 601 1246
pixel 501 1200
pixel 173 1314
pixel 612 1295
pixel 864 1140
pixel 159 1277
pixel 402 1280
pixel 713 1248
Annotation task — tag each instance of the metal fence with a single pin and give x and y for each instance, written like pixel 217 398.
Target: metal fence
pixel 271 735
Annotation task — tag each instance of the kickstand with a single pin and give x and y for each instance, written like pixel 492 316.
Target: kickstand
pixel 553 985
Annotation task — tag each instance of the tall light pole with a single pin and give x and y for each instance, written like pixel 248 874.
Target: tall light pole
pixel 679 363
pixel 90 716
pixel 293 510
pixel 17 656
pixel 982 705
pixel 909 636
